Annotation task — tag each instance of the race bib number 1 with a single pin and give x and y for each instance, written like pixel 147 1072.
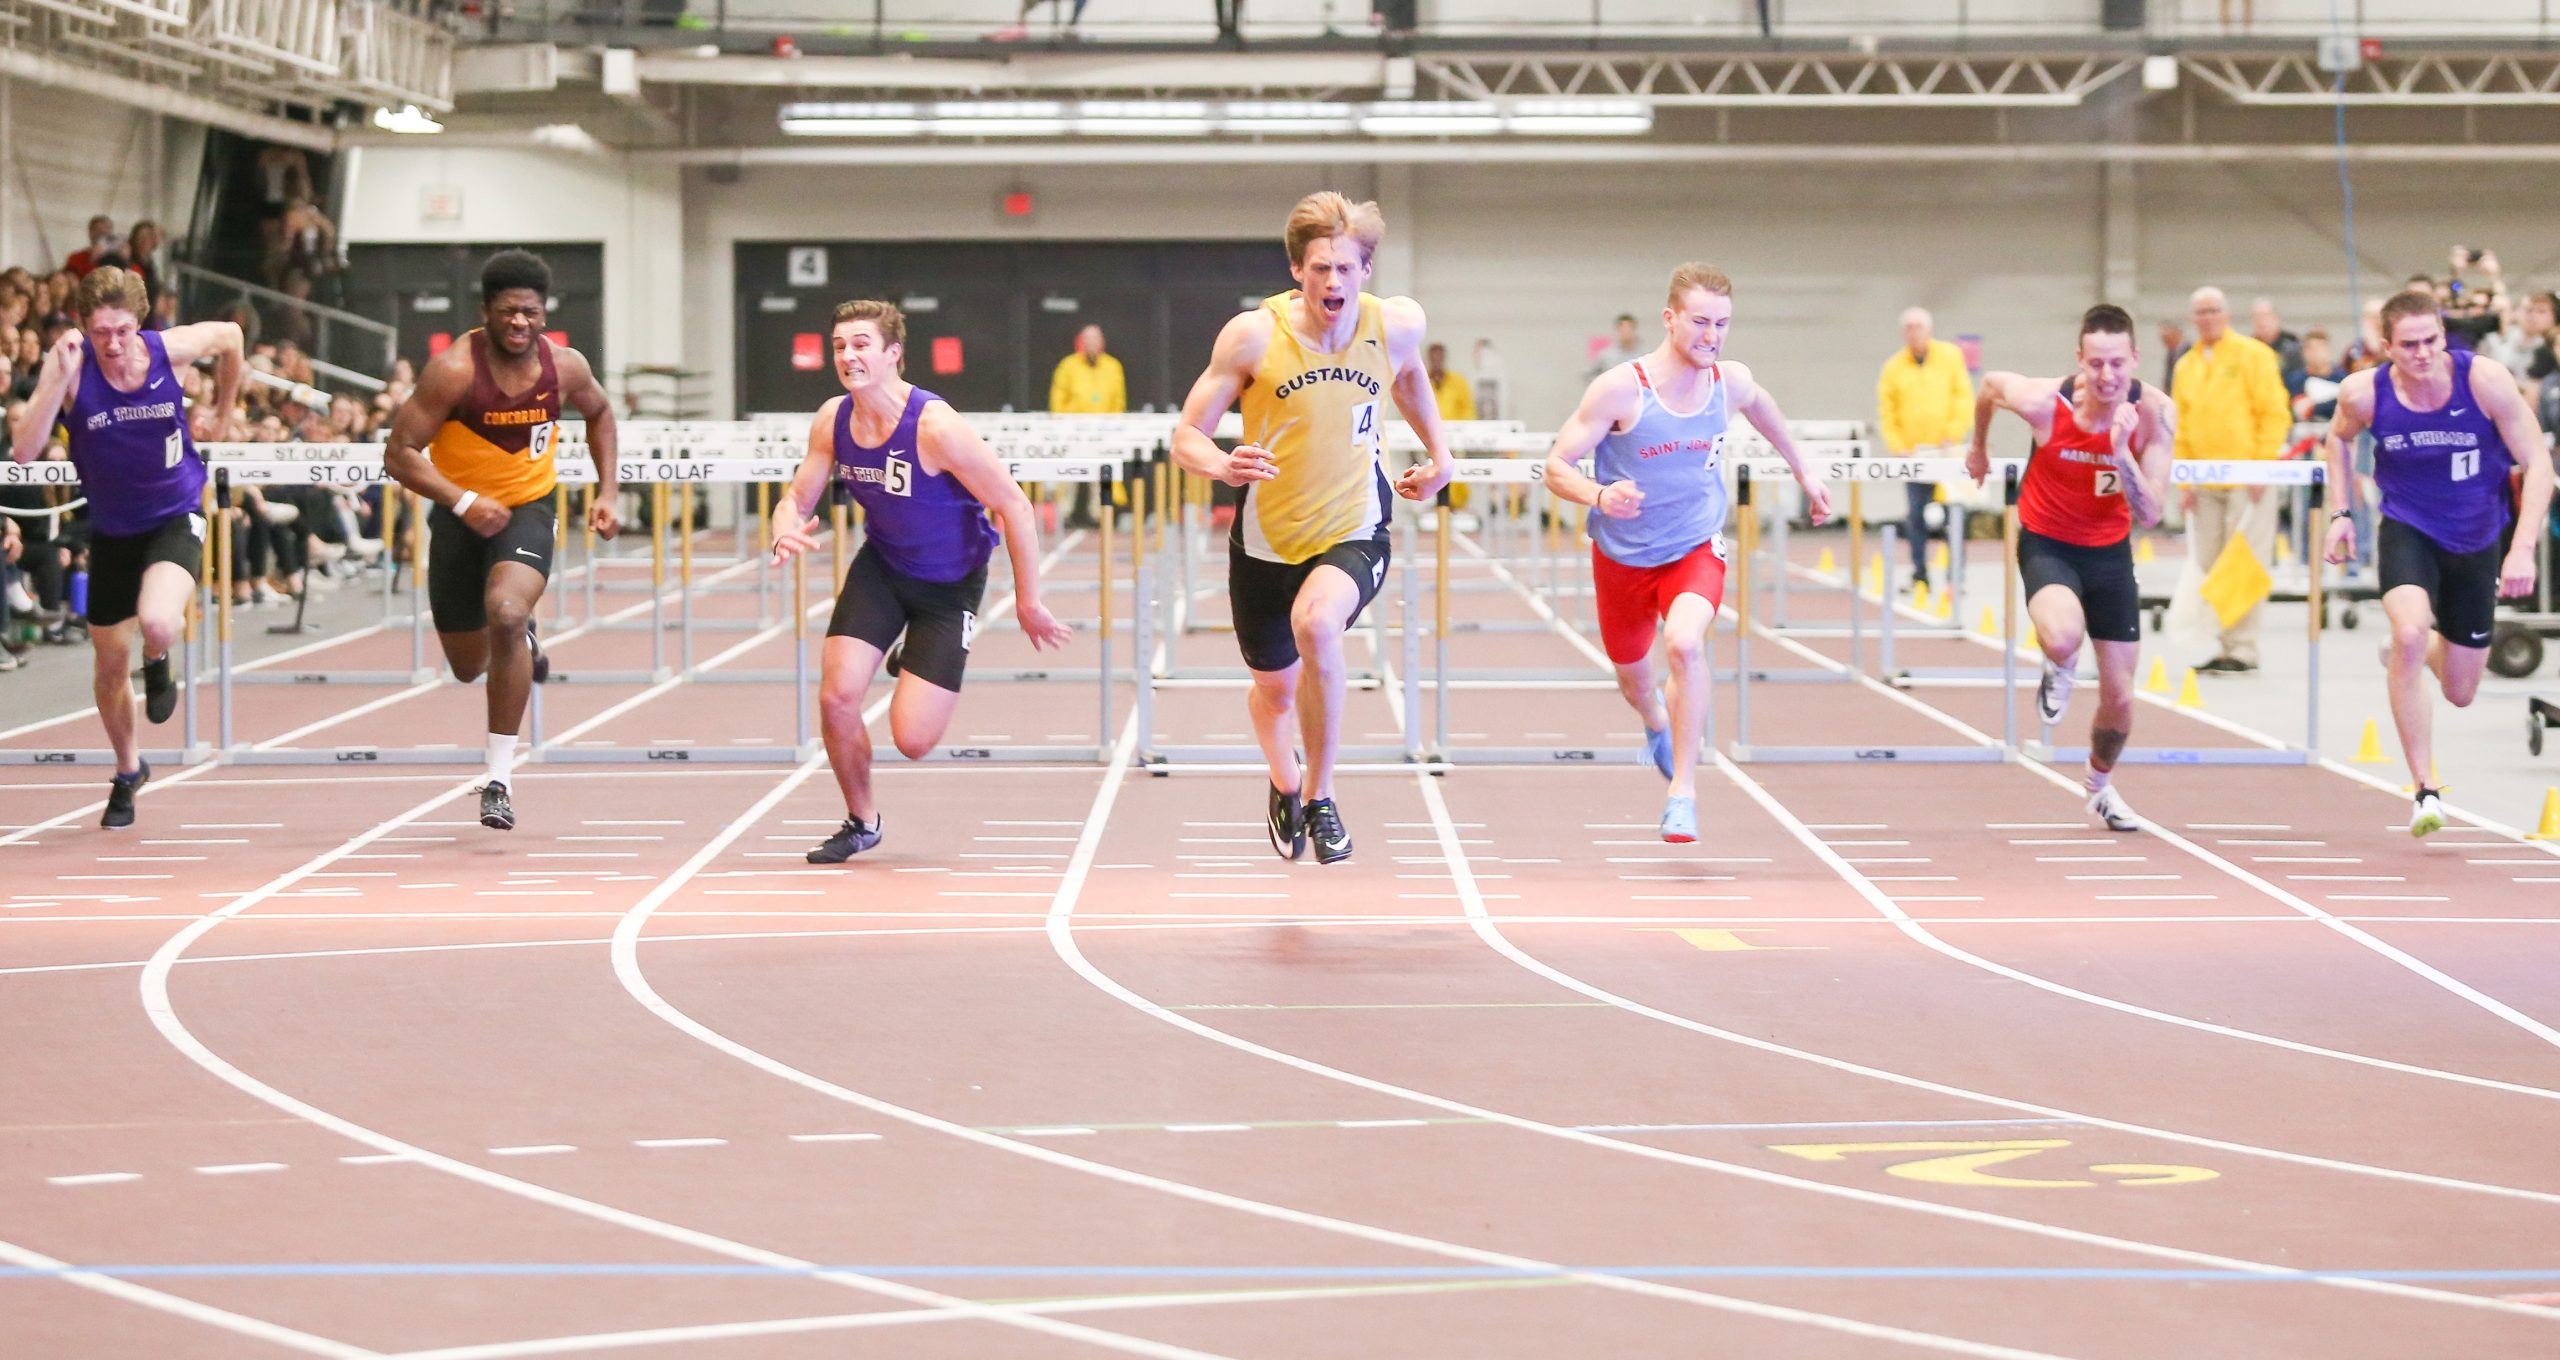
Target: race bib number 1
pixel 2466 464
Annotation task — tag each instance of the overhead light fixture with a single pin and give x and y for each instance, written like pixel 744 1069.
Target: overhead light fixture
pixel 1305 118
pixel 1432 118
pixel 851 120
pixel 410 119
pixel 1579 117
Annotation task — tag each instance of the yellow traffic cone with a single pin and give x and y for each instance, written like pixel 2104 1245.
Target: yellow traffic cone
pixel 2159 681
pixel 1875 576
pixel 2435 780
pixel 2143 552
pixel 2188 695
pixel 1990 626
pixel 1826 564
pixel 2369 750
pixel 2550 828
pixel 1937 555
pixel 2284 550
pixel 1920 596
pixel 1947 604
pixel 2028 643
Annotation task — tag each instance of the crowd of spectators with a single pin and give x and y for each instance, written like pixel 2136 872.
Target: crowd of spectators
pixel 285 539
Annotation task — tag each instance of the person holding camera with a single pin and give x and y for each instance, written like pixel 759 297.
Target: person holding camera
pixel 2472 312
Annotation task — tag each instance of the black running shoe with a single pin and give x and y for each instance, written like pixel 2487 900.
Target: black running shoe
pixel 159 689
pixel 120 792
pixel 496 812
pixel 1324 828
pixel 541 660
pixel 1288 829
pixel 851 839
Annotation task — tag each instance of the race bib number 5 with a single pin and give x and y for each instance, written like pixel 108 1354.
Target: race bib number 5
pixel 898 475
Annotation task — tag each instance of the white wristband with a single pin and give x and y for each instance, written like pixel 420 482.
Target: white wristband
pixel 463 502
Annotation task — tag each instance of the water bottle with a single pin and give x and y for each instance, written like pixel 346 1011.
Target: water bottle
pixel 77 594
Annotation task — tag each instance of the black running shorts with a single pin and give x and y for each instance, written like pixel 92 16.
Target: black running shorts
pixel 1261 594
pixel 117 562
pixel 459 560
pixel 2462 588
pixel 2110 604
pixel 940 618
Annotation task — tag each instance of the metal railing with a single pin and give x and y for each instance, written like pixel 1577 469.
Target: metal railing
pixel 353 350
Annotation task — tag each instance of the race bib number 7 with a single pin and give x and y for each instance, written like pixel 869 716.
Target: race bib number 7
pixel 174 449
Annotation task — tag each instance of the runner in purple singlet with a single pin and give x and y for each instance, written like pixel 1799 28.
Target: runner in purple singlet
pixel 114 387
pixel 927 486
pixel 2445 426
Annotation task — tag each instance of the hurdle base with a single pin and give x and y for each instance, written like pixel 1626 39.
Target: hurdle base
pixel 1869 755
pixel 1543 755
pixel 2177 755
pixel 390 678
pixel 31 756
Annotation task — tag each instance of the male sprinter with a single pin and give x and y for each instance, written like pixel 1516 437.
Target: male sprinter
pixel 2447 427
pixel 115 386
pixel 1309 547
pixel 476 439
pixel 926 484
pixel 2100 461
pixel 1656 425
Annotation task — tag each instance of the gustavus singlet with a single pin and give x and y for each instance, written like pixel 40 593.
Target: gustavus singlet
pixel 1323 416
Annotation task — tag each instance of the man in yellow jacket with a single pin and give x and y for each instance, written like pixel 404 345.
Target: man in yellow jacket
pixel 1924 409
pixel 1087 382
pixel 2231 402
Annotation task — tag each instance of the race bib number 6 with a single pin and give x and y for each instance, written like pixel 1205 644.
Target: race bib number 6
pixel 542 440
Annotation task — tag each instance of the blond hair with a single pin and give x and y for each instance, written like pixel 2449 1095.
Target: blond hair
pixel 1323 215
pixel 1695 275
pixel 891 322
pixel 109 286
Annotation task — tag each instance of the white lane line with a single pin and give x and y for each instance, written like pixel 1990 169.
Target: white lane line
pixel 2158 897
pixel 1208 1128
pixel 2061 840
pixel 2091 859
pixel 835 1138
pixel 2037 826
pixel 662 821
pixel 373 1159
pixel 95 1178
pixel 2225 840
pixel 2306 859
pixel 202 840
pixel 2384 897
pixel 240 1324
pixel 1381 1123
pixel 532 1150
pixel 2237 826
pixel 231 826
pixel 2122 878
pixel 1061 1132
pixel 238 1168
pixel 2346 878
pixel 679 1142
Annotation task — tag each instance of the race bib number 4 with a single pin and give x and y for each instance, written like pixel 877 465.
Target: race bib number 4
pixel 1366 435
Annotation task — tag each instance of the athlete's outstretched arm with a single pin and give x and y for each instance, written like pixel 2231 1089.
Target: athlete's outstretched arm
pixel 579 388
pixel 1606 404
pixel 2494 386
pixel 414 426
pixel 947 444
pixel 1761 409
pixel 2142 438
pixel 2355 408
pixel 2003 391
pixel 221 339
pixel 1414 397
pixel 44 405
pixel 797 506
pixel 1231 364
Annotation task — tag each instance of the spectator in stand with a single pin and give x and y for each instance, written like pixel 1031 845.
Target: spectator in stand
pixel 1070 10
pixel 1628 346
pixel 284 178
pixel 1489 381
pixel 1450 390
pixel 1089 381
pixel 2173 347
pixel 2270 332
pixel 2541 371
pixel 2231 405
pixel 104 247
pixel 1924 409
pixel 2315 385
pixel 141 252
pixel 310 247
pixel 2472 312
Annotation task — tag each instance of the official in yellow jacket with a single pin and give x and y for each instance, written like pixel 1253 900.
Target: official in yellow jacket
pixel 1924 409
pixel 1088 382
pixel 2231 405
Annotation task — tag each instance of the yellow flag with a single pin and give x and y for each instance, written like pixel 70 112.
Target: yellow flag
pixel 2238 582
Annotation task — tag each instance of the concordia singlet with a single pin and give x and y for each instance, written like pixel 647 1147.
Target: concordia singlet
pixel 497 445
pixel 137 462
pixel 2443 473
pixel 2072 489
pixel 1319 414
pixel 926 524
pixel 1677 460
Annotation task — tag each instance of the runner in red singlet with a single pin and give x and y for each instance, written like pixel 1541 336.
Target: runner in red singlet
pixel 2100 462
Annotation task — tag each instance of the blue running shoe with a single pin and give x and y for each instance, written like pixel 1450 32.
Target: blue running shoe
pixel 1658 746
pixel 1680 820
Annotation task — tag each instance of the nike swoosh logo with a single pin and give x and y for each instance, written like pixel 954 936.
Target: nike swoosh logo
pixel 526 552
pixel 155 383
pixel 2459 411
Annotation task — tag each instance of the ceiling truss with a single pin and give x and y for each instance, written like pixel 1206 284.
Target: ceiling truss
pixel 2428 81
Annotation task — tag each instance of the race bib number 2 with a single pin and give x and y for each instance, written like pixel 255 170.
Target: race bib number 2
pixel 2110 482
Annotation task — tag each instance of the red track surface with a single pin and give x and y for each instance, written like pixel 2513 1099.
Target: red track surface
pixel 1899 1060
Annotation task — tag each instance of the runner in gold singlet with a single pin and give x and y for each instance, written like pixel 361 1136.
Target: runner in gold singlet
pixel 476 439
pixel 1314 368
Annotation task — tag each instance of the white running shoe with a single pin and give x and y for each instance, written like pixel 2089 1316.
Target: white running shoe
pixel 2109 806
pixel 2053 697
pixel 2429 817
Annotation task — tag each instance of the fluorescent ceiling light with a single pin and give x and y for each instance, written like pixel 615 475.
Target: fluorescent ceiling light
pixel 853 127
pixel 1144 127
pixel 1579 127
pixel 410 119
pixel 1000 110
pixel 1263 127
pixel 1407 125
pixel 999 127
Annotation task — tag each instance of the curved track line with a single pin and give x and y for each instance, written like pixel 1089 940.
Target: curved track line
pixel 237 1323
pixel 1920 933
pixel 626 963
pixel 157 1005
